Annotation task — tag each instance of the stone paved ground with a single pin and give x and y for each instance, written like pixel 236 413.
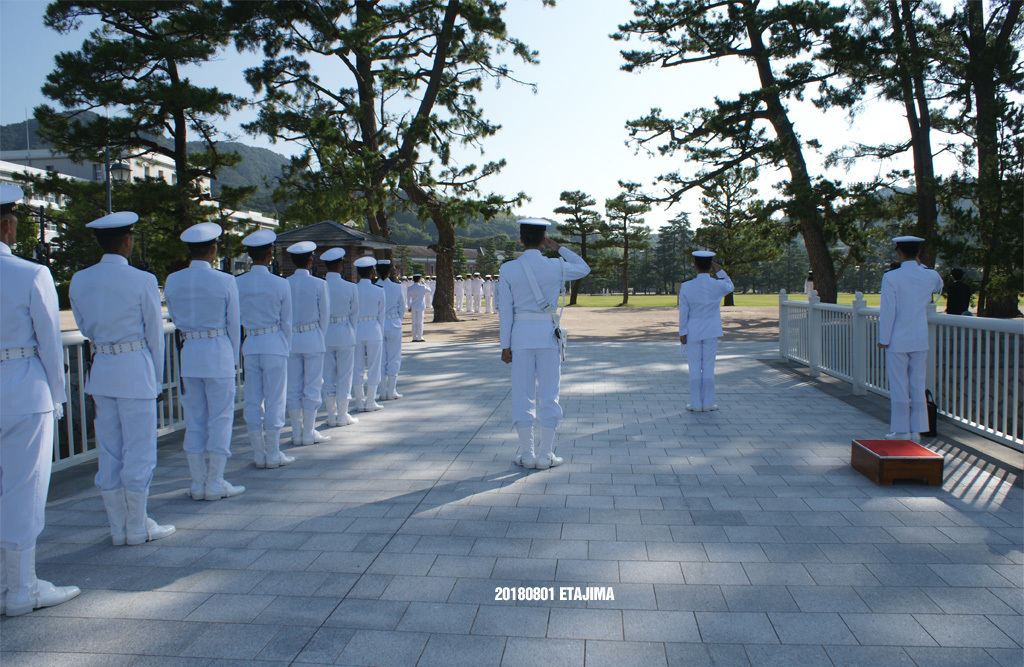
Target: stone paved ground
pixel 733 537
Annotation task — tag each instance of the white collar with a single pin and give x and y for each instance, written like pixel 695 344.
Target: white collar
pixel 199 264
pixel 301 272
pixel 111 258
pixel 5 249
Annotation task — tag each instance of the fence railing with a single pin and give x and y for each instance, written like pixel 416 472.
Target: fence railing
pixel 974 367
pixel 74 439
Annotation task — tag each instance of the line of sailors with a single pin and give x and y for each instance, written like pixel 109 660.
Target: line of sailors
pixel 476 292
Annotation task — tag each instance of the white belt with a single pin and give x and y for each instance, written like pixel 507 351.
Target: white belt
pixel 208 333
pixel 368 318
pixel 531 317
pixel 122 348
pixel 262 331
pixel 303 328
pixel 335 320
pixel 9 353
pixel 393 314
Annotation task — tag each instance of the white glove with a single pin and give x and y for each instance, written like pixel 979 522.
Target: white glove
pixel 58 411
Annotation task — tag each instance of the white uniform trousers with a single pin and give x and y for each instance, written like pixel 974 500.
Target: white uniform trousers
pixel 338 367
pixel 126 435
pixel 536 375
pixel 367 365
pixel 460 299
pixel 909 408
pixel 489 300
pixel 700 354
pixel 417 324
pixel 266 377
pixel 209 415
pixel 26 450
pixel 474 303
pixel 305 380
pixel 391 354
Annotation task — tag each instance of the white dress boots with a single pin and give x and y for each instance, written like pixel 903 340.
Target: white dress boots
pixel 546 457
pixel 295 416
pixel 370 404
pixel 357 397
pixel 140 528
pixel 391 388
pixel 275 457
pixel 344 418
pixel 259 448
pixel 311 436
pixel 197 466
pixel 526 456
pixel 216 486
pixel 331 405
pixel 24 591
pixel 117 515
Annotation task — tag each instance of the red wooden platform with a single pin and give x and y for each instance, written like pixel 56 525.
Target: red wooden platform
pixel 883 461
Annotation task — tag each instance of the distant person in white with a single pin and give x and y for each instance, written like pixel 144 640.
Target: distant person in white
pixel 203 303
pixel 311 313
pixel 476 292
pixel 418 295
pixel 903 334
pixel 488 294
pixel 117 307
pixel 809 283
pixel 394 312
pixel 369 337
pixel 528 341
pixel 460 292
pixel 265 305
pixel 31 397
pixel 340 340
pixel 700 327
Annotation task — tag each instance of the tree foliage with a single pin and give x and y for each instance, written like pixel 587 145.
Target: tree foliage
pixel 626 231
pixel 581 225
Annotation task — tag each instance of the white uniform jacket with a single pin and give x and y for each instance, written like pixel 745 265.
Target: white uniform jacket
pixel 394 305
pixel 476 287
pixel 310 305
pixel 523 324
pixel 29 317
pixel 344 298
pixel 460 288
pixel 488 288
pixel 265 301
pixel 418 294
pixel 700 312
pixel 370 324
pixel 200 298
pixel 903 318
pixel 116 303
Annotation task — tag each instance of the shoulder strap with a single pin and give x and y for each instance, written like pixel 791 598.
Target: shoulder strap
pixel 544 305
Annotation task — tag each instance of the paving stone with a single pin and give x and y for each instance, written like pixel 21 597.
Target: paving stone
pixel 585 624
pixel 624 654
pixel 735 627
pixel 531 652
pixel 964 630
pixel 438 617
pixel 384 649
pixel 447 650
pixel 660 626
pixel 887 630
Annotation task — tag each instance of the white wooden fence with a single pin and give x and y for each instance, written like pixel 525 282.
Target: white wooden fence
pixel 74 440
pixel 974 363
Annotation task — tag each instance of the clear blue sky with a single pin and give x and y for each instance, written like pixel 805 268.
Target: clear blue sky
pixel 568 136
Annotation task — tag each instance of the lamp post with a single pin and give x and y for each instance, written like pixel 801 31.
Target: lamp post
pixel 119 171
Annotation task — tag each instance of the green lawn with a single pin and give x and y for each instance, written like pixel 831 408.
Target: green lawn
pixel 747 300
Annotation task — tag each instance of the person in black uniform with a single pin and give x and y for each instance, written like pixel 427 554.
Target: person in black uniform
pixel 958 294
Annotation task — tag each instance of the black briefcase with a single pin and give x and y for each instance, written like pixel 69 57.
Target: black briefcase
pixel 933 415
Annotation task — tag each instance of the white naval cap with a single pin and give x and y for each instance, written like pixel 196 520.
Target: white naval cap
pixel 383 261
pixel 487 276
pixel 332 254
pixel 540 222
pixel 302 248
pixel 476 274
pixel 9 196
pixel 417 275
pixel 908 239
pixel 114 220
pixel 260 237
pixel 363 262
pixel 202 232
pixel 702 253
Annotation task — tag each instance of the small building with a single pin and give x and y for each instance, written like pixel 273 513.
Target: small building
pixel 331 234
pixel 417 254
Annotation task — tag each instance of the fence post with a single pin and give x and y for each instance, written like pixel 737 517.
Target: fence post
pixel 783 326
pixel 814 333
pixel 859 345
pixel 929 378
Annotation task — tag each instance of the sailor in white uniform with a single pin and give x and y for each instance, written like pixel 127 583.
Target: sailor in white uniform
pixel 529 290
pixel 265 304
pixel 369 337
pixel 394 311
pixel 418 295
pixel 903 334
pixel 460 292
pixel 340 340
pixel 488 288
pixel 476 292
pixel 203 303
pixel 31 397
pixel 700 327
pixel 117 307
pixel 311 314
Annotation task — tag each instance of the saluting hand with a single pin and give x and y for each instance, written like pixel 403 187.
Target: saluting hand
pixel 716 266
